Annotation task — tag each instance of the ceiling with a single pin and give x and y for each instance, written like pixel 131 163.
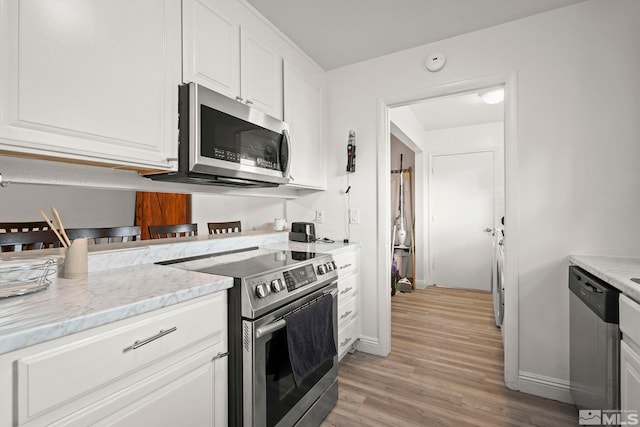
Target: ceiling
pixel 335 33
pixel 457 110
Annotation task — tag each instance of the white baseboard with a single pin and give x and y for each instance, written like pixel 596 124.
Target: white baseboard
pixel 421 284
pixel 548 387
pixel 370 345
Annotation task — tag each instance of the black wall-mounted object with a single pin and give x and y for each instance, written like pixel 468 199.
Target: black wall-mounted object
pixel 351 152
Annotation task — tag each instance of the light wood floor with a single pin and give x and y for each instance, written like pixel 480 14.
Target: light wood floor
pixel 445 368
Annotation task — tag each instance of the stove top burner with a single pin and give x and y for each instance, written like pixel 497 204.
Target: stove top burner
pixel 268 278
pixel 246 264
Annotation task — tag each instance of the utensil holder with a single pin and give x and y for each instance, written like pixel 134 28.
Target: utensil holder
pixel 75 259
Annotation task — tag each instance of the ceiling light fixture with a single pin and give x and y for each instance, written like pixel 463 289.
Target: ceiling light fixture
pixel 493 96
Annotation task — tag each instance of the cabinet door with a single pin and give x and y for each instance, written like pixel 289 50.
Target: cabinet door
pixel 261 75
pixel 303 111
pixel 629 377
pixel 91 80
pixel 211 44
pixel 196 399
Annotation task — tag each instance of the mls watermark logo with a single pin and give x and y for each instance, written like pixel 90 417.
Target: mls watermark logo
pixel 590 417
pixel 596 417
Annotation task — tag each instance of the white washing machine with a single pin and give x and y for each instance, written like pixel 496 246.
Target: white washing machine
pixel 498 277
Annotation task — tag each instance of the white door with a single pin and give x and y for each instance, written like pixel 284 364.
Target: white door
pixel 461 207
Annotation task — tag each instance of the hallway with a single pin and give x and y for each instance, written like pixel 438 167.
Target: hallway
pixel 445 368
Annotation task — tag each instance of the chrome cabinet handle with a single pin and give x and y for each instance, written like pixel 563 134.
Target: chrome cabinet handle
pixel 345 342
pixel 220 355
pixel 239 98
pixel 344 266
pixel 346 314
pixel 345 291
pixel 488 230
pixel 271 327
pixel 248 101
pixel 140 343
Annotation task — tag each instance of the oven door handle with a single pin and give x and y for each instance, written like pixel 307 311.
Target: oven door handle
pixel 271 327
pixel 279 324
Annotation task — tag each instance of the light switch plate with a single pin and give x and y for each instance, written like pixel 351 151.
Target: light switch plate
pixel 320 217
pixel 354 216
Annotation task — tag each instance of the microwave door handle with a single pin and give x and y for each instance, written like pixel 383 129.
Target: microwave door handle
pixel 287 140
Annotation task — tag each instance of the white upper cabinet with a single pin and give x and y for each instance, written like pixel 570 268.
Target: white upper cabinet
pixel 303 111
pixel 211 47
pixel 261 75
pixel 227 57
pixel 91 80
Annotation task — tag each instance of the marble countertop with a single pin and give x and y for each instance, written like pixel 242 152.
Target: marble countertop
pixel 617 271
pixel 123 281
pixel 70 306
pixel 320 247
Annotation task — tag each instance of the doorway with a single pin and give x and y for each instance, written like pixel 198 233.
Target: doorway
pixel 387 108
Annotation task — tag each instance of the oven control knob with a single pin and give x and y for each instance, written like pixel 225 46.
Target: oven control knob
pixel 262 290
pixel 277 285
pixel 329 266
pixel 322 269
pixel 333 263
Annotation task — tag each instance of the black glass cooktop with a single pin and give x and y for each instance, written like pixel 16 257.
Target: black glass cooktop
pixel 241 264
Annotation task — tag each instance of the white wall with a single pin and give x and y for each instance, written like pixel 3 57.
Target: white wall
pixel 78 207
pixel 255 213
pixel 578 151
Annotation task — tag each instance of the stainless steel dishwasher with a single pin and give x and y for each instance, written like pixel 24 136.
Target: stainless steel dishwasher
pixel 594 341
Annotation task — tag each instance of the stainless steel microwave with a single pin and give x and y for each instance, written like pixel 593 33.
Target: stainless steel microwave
pixel 229 143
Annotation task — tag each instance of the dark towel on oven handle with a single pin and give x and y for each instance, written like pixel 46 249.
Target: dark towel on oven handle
pixel 310 337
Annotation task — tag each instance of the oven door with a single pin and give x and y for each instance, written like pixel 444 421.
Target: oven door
pixel 271 397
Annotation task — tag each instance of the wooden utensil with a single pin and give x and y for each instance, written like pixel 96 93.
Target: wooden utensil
pixel 62 240
pixel 56 218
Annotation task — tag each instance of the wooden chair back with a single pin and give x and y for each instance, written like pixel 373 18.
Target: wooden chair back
pixel 16 227
pixel 28 240
pixel 224 227
pixel 106 234
pixel 178 230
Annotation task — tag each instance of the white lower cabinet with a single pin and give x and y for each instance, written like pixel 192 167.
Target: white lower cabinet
pixel 629 354
pixel 164 368
pixel 347 264
pixel 629 377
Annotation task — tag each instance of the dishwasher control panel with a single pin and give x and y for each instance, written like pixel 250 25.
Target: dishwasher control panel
pixel 601 297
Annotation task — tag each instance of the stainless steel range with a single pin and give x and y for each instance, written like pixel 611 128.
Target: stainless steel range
pixel 265 385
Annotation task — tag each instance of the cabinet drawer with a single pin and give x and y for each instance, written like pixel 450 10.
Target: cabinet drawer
pixel 347 287
pixel 57 376
pixel 347 310
pixel 347 336
pixel 346 263
pixel 630 318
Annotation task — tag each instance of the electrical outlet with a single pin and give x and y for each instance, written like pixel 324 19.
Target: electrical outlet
pixel 320 217
pixel 354 216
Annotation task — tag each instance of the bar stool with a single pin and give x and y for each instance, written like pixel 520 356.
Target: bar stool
pixel 177 230
pixel 224 227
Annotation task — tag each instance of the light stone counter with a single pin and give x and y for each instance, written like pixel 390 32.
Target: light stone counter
pixel 617 271
pixel 71 306
pixel 123 281
pixel 318 247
